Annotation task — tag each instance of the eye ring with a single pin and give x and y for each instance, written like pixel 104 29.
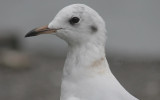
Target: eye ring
pixel 74 20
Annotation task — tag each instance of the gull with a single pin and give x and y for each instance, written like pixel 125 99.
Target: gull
pixel 86 73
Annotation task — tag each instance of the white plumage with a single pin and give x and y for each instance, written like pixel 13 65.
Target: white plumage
pixel 86 74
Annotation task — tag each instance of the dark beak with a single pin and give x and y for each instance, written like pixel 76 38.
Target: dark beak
pixel 40 30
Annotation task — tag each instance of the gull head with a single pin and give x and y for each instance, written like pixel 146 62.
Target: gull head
pixel 76 24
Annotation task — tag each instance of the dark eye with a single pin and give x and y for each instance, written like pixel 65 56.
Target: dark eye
pixel 74 20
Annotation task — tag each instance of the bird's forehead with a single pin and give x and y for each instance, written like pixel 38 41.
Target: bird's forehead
pixel 77 10
pixel 73 10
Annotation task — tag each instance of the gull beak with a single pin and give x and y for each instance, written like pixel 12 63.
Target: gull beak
pixel 40 30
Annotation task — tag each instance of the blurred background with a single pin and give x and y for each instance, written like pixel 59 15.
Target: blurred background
pixel 31 68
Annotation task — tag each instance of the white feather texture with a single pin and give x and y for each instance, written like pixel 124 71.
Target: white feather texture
pixel 86 73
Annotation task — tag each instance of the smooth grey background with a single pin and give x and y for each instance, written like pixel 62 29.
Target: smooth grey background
pixel 133 25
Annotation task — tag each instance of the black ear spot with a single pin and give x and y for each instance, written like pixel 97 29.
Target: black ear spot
pixel 94 28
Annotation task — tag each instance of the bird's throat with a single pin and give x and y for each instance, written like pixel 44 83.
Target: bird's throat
pixel 86 60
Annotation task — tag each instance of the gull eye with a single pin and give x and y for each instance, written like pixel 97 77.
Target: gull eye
pixel 74 20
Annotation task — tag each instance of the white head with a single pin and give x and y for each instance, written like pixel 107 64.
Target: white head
pixel 76 24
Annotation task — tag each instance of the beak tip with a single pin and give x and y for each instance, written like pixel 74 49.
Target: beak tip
pixel 26 36
pixel 31 33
